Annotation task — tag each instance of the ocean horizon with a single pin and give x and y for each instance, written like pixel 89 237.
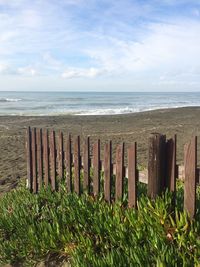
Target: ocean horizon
pixel 45 103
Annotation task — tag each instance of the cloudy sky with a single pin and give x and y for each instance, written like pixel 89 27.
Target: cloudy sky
pixel 130 45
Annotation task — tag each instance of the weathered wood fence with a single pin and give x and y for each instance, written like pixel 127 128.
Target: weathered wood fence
pixel 49 162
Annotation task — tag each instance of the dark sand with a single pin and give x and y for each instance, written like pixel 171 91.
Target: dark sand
pixel 185 122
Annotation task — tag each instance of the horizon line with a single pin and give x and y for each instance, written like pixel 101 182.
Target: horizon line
pixel 76 91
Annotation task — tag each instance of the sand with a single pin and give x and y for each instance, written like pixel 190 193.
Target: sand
pixel 185 122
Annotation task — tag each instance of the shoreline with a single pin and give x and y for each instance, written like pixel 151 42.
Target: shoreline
pixel 98 115
pixel 128 128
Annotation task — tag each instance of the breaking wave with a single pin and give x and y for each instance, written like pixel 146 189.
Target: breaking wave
pixel 10 99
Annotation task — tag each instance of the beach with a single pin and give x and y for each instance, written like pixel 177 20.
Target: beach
pixel 126 128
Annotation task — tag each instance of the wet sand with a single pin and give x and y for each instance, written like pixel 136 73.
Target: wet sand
pixel 185 122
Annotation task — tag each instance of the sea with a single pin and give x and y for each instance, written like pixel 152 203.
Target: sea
pixel 92 103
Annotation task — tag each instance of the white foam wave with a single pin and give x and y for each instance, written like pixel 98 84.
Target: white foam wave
pixel 10 99
pixel 126 110
pixel 108 111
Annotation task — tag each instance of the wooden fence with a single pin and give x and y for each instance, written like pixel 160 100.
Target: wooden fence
pixel 49 162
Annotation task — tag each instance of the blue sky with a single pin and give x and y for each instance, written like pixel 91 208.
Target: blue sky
pixel 130 45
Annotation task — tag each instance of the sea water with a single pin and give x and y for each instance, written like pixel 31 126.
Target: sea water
pixel 91 103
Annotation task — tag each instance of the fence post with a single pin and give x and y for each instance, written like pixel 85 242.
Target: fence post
pixel 119 185
pixel 60 156
pixel 34 160
pixel 132 176
pixel 190 163
pixel 107 171
pixel 39 158
pixel 77 165
pixel 53 159
pixel 46 157
pixel 171 171
pixel 156 164
pixel 29 158
pixel 68 161
pixel 86 165
pixel 96 165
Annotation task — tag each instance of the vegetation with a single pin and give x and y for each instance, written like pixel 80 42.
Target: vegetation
pixel 89 232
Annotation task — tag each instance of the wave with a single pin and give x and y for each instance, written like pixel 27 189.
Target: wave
pixel 126 110
pixel 108 111
pixel 97 112
pixel 70 99
pixel 55 104
pixel 10 99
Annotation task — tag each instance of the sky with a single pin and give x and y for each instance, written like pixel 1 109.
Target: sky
pixel 100 45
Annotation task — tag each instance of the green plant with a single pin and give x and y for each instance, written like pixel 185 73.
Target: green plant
pixel 89 232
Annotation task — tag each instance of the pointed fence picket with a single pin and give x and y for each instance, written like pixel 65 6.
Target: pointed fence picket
pixel 53 160
pixel 96 167
pixel 68 164
pixel 86 165
pixel 119 172
pixel 132 175
pixel 46 157
pixel 39 158
pixel 190 162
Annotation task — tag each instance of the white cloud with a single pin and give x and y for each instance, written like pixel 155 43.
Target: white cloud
pixel 7 35
pixel 125 39
pixel 27 71
pixel 3 68
pixel 6 69
pixel 163 48
pixel 52 63
pixel 30 18
pixel 81 73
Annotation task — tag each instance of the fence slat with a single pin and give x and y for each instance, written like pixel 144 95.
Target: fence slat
pixel 107 171
pixel 77 165
pixel 53 159
pixel 34 160
pixel 132 176
pixel 156 164
pixel 119 186
pixel 171 164
pixel 86 165
pixel 96 165
pixel 190 162
pixel 39 158
pixel 171 170
pixel 29 158
pixel 68 162
pixel 46 157
pixel 60 156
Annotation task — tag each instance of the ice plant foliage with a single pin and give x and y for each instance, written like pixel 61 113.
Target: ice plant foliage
pixel 85 231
